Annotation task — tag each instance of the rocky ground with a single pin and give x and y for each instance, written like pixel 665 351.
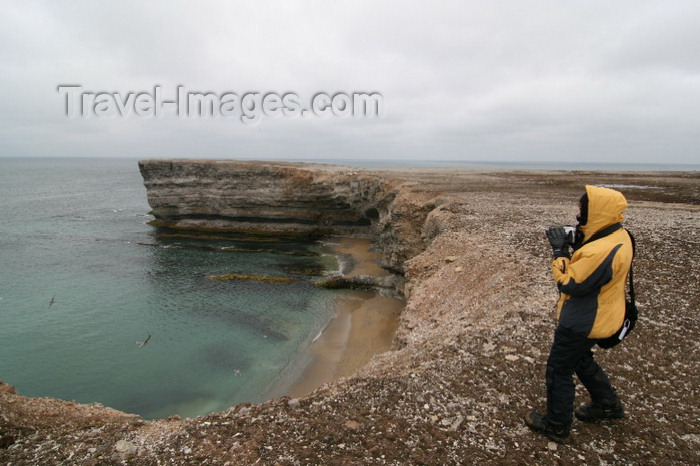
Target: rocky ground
pixel 469 356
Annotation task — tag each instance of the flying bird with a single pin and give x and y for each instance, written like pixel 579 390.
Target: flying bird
pixel 144 342
pixel 53 300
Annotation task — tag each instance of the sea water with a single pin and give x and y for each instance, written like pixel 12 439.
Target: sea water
pixel 85 282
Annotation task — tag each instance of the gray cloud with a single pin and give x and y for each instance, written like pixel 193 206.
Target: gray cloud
pixel 510 80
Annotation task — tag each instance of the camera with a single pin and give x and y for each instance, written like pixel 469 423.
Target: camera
pixel 570 234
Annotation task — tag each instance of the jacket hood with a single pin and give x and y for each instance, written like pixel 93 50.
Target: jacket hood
pixel 605 208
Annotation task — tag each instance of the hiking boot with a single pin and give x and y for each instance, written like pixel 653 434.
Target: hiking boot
pixel 595 412
pixel 540 424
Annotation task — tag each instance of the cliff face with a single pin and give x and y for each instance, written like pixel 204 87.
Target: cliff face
pixel 283 199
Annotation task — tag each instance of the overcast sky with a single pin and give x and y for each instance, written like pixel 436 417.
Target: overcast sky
pixel 596 81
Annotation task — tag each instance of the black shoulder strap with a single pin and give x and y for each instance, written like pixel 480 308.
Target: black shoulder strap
pixel 634 246
pixel 605 232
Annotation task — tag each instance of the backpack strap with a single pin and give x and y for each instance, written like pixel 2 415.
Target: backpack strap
pixel 605 232
pixel 634 246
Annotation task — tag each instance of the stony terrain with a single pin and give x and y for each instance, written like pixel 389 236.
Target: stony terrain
pixel 469 356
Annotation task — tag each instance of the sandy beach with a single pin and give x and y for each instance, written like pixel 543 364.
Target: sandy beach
pixel 364 324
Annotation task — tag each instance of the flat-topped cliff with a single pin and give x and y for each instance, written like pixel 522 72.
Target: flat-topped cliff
pixel 265 198
pixel 469 356
pixel 285 199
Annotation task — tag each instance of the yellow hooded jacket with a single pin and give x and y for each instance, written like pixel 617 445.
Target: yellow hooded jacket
pixel 592 282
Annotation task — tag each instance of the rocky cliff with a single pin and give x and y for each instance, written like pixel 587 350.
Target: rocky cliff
pixel 284 199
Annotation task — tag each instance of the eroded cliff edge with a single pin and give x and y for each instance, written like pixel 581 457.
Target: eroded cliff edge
pixel 469 355
pixel 286 199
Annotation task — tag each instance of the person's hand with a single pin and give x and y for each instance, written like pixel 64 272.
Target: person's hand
pixel 558 239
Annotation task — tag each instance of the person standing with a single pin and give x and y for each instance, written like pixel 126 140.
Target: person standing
pixel 591 307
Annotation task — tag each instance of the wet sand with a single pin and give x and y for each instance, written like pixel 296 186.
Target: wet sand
pixel 364 325
pixel 364 260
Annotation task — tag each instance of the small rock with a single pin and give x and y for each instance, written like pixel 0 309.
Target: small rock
pixel 512 357
pixel 458 269
pixel 552 446
pixel 450 258
pixel 294 403
pixel 187 450
pixel 125 449
pixel 352 425
pixel 455 425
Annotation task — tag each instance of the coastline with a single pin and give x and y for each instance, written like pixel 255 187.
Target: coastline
pixel 469 356
pixel 364 325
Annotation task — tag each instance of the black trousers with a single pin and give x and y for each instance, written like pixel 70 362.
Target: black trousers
pixel 571 353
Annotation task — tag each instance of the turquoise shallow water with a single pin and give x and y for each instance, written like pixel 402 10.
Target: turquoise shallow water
pixel 75 230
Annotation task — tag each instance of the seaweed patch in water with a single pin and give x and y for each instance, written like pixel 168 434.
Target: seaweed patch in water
pixel 251 277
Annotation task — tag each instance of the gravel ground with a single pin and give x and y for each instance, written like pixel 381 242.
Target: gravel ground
pixel 468 359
